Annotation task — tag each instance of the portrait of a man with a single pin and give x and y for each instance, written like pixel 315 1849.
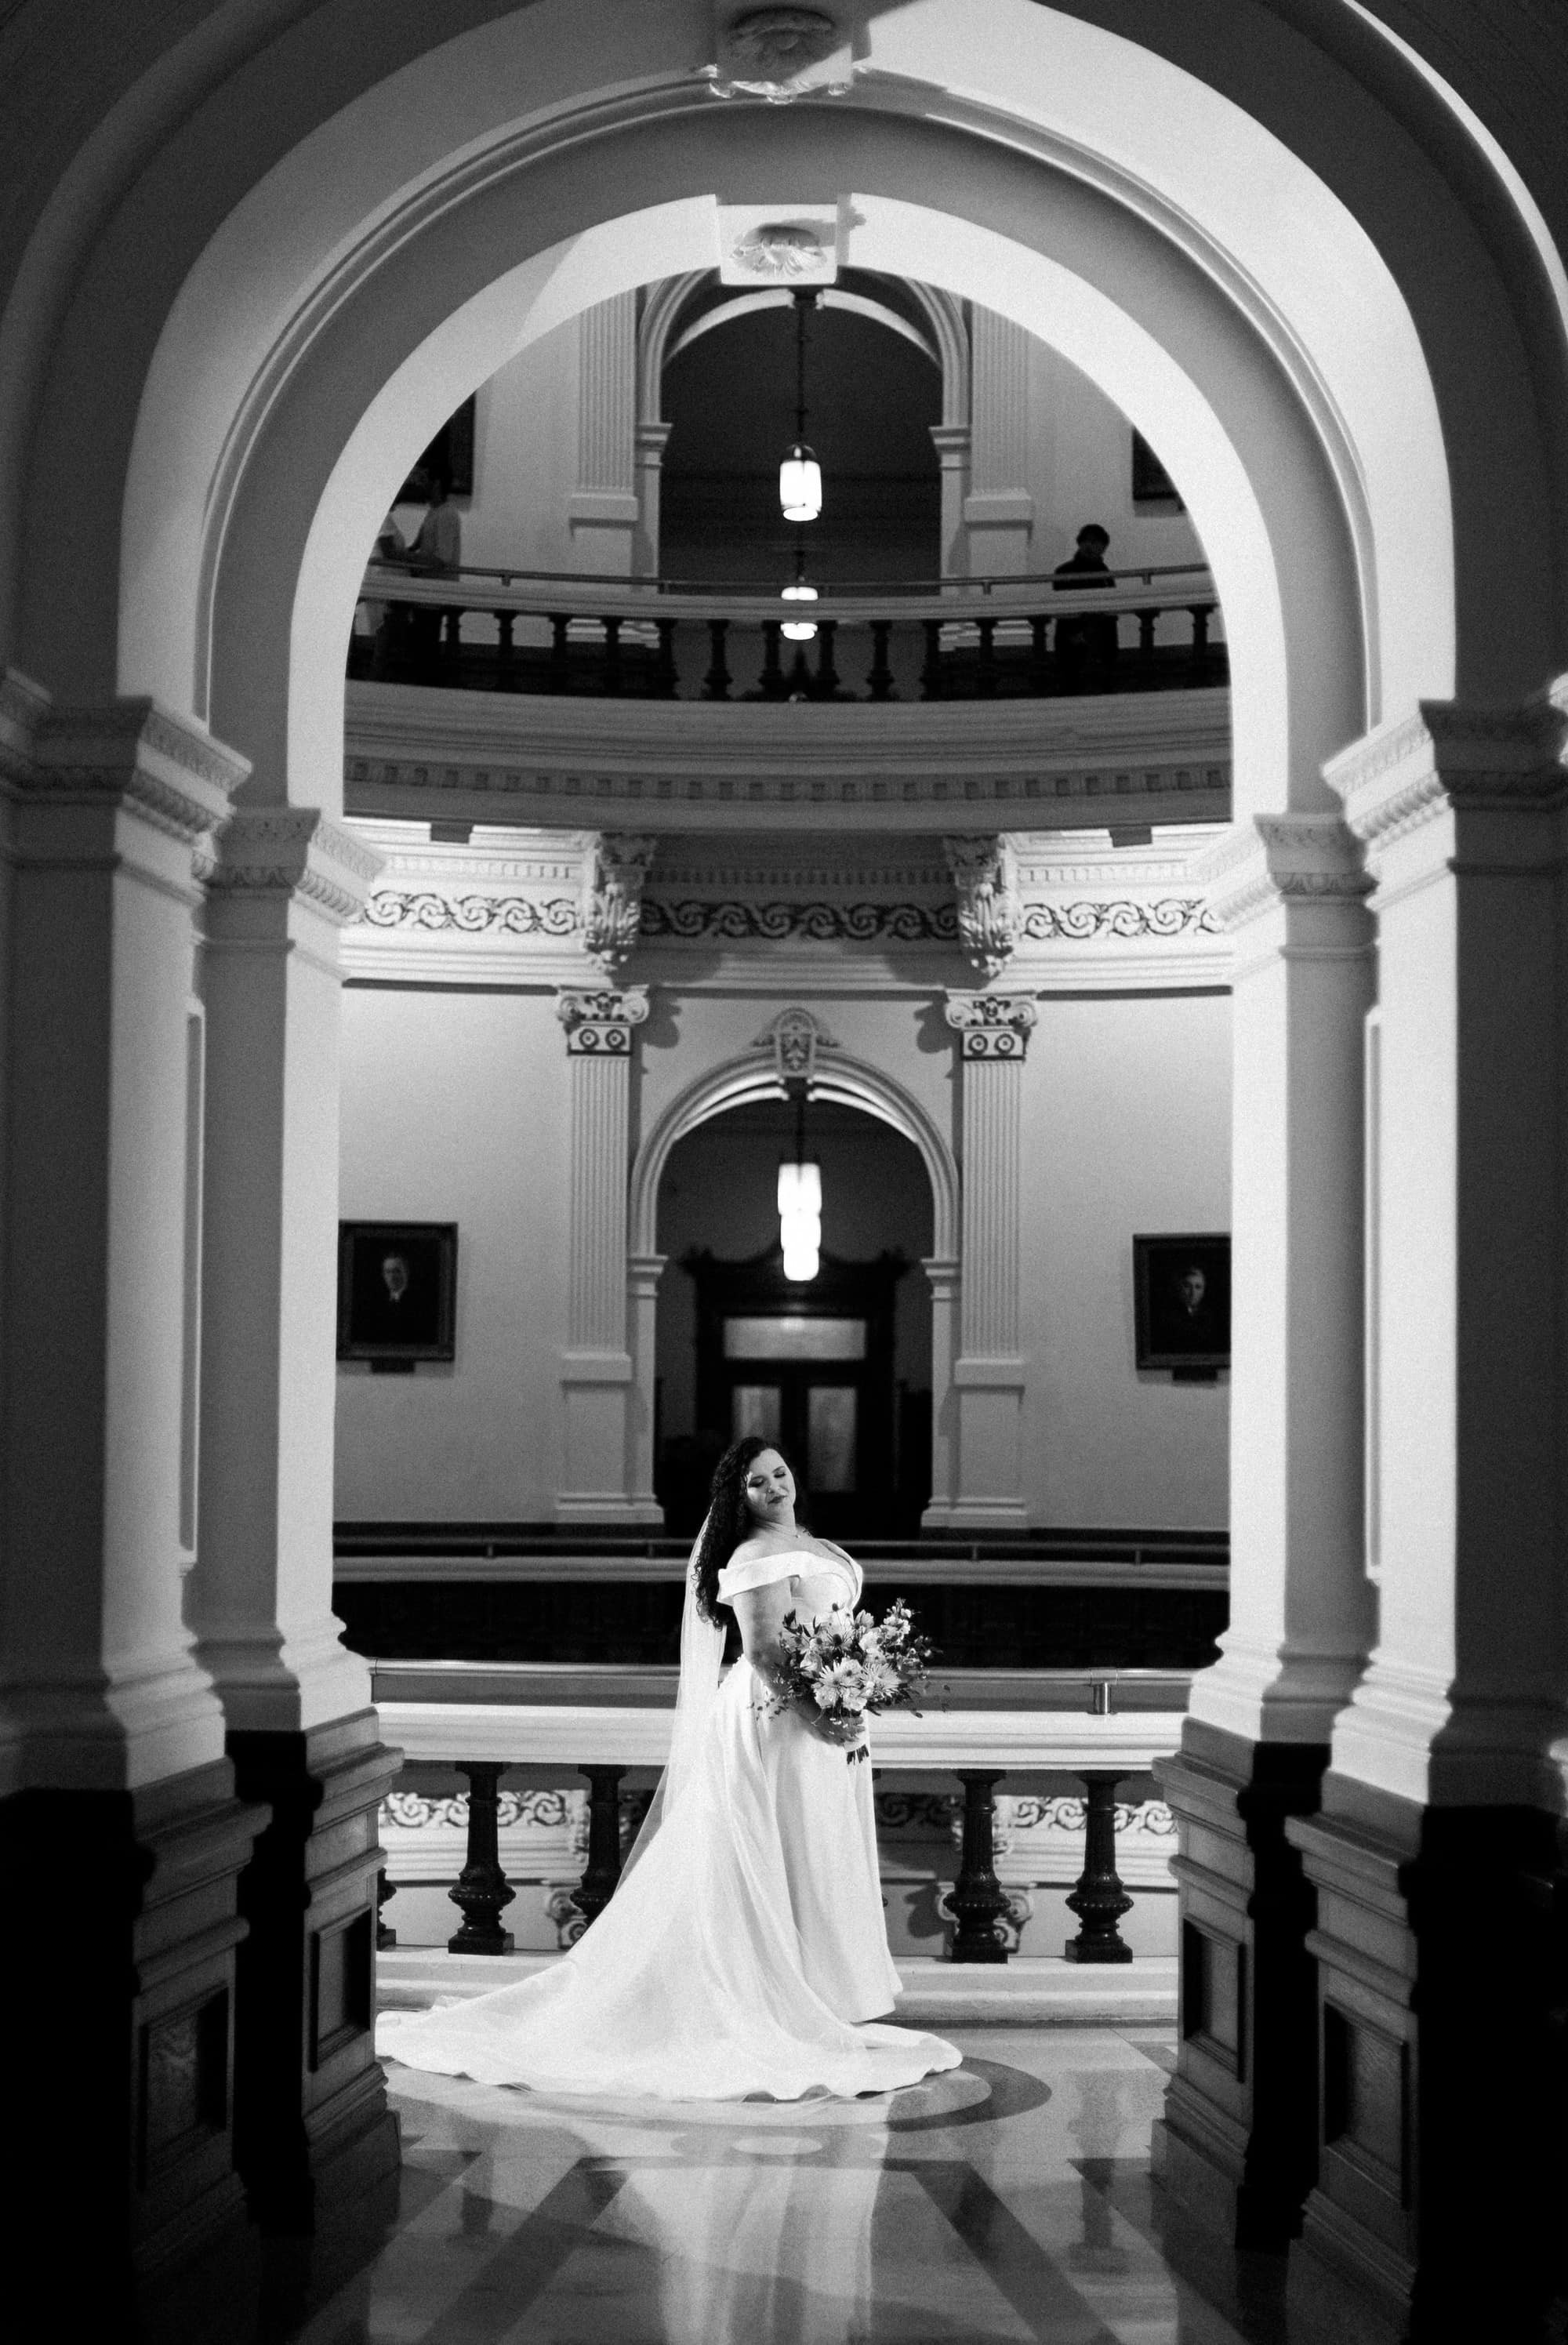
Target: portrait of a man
pixel 397 1291
pixel 1182 1287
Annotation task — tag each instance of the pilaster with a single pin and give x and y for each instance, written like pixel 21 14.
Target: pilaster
pixel 1435 1857
pixel 282 882
pixel 596 1379
pixel 942 1275
pixel 1237 2140
pixel 953 443
pixel 651 441
pixel 988 1374
pixel 999 510
pixel 601 511
pixel 102 1689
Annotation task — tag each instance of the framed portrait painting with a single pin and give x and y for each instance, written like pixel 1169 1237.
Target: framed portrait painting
pixel 1181 1291
pixel 397 1292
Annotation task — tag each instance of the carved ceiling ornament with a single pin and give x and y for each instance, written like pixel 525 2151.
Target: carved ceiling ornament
pixel 778 54
pixel 614 868
pixel 985 875
pixel 782 250
pixel 795 1037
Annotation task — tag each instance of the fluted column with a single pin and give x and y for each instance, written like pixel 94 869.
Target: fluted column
pixel 988 1374
pixel 1238 2137
pixel 596 1379
pixel 601 511
pixel 1436 1854
pixel 999 510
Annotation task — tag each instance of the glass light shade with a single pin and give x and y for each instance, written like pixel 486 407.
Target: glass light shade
pixel 798 631
pixel 800 485
pixel 800 1220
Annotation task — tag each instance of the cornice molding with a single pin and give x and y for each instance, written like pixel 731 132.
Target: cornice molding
pixel 294 851
pixel 1450 759
pixel 1280 860
pixel 132 753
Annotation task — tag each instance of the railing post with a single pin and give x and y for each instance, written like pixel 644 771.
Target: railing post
pixel 665 677
pixel 481 1889
pixel 611 656
pixel 771 684
pixel 449 625
pixel 1099 1900
pixel 880 679
pixel 385 1935
pixel 558 670
pixel 597 1886
pixel 827 684
pixel 978 1898
pixel 505 658
pixel 716 683
pixel 1039 659
pixel 1145 620
pixel 1199 616
pixel 986 666
pixel 931 674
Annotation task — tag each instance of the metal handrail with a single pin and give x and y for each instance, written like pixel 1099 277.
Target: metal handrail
pixel 769 589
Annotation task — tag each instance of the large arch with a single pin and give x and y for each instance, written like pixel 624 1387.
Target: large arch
pixel 251 250
pixel 839 1077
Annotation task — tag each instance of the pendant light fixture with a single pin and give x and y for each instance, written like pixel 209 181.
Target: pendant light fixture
pixel 800 474
pixel 800 1205
pixel 802 630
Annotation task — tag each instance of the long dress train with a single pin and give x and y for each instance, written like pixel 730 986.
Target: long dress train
pixel 744 1954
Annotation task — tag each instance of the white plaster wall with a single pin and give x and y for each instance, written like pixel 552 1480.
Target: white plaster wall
pixel 1126 1128
pixel 455 1108
pixel 1080 470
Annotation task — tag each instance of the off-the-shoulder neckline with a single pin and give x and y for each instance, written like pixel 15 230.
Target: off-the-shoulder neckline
pixel 784 1553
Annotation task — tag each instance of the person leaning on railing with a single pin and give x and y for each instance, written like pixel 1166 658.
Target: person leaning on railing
pixel 1085 645
pixel 409 634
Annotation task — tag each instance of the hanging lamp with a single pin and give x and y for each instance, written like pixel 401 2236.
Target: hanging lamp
pixel 800 1206
pixel 800 474
pixel 798 631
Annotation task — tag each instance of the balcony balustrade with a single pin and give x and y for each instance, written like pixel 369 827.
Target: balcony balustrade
pixel 567 634
pixel 547 1728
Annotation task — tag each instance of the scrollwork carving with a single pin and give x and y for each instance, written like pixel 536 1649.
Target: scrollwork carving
pixel 615 869
pixel 985 876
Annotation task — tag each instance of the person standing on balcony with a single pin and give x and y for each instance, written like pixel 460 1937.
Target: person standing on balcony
pixel 1086 647
pixel 437 551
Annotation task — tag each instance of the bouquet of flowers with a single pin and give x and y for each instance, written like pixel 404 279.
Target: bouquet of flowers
pixel 847 1663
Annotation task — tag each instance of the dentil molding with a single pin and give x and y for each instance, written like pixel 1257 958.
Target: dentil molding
pixel 295 851
pixel 134 752
pixel 1447 759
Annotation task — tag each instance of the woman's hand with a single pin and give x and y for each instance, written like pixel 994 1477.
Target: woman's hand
pixel 843 1733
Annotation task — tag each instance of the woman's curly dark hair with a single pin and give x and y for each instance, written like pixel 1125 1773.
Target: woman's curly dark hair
pixel 729 1521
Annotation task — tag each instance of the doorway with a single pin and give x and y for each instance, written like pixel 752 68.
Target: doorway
pixel 835 1369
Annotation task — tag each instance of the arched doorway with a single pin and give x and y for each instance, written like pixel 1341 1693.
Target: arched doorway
pixel 837 1370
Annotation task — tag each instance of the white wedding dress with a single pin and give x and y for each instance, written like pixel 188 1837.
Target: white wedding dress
pixel 745 1952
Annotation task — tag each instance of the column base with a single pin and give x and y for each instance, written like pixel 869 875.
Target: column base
pixel 1237 2140
pixel 1439 1998
pixel 122 1979
pixel 314 2141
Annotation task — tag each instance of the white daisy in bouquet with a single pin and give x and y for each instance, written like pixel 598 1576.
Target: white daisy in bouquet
pixel 849 1665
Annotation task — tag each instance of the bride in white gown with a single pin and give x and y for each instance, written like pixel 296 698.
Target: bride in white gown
pixel 745 1952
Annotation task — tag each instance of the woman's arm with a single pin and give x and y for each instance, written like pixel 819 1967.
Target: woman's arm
pixel 761 1612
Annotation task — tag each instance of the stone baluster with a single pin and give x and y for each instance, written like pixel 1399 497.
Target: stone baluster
pixel 1098 1899
pixel 602 1871
pixel 978 1900
pixel 385 1892
pixel 481 1890
pixel 716 683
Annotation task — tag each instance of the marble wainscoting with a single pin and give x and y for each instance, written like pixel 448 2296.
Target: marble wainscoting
pixel 543 1840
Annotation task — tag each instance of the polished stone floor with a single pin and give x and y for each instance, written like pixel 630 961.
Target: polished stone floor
pixel 1009 2199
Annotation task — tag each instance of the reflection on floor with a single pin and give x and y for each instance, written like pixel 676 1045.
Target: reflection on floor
pixel 1009 2199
